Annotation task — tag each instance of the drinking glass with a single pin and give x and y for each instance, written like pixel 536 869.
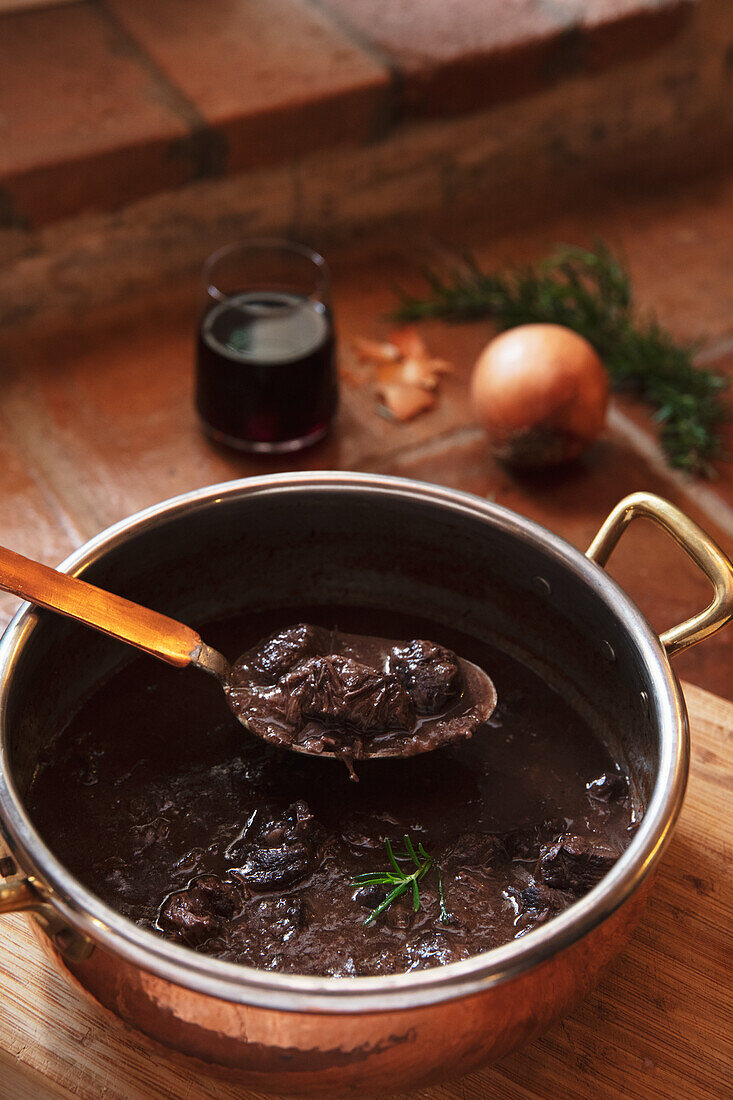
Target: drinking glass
pixel 265 363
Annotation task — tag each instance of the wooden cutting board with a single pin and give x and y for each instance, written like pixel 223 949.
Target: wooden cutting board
pixel 660 1027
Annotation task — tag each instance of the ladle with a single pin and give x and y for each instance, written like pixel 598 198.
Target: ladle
pixel 180 645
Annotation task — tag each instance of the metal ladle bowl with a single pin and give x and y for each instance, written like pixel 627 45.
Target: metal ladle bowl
pixel 180 645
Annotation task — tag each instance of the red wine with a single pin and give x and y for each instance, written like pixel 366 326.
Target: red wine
pixel 266 372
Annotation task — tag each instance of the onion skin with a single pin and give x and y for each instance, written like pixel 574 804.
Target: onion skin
pixel 541 392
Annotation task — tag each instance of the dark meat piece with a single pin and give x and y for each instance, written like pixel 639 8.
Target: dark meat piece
pixel 199 912
pixel 397 917
pixel 188 916
pixel 429 673
pixel 278 653
pixel 274 868
pixel 477 850
pixel 430 949
pixel 223 897
pixel 400 916
pixel 337 690
pixel 538 902
pixel 574 863
pixel 371 896
pixel 280 852
pixel 524 844
pixel 610 785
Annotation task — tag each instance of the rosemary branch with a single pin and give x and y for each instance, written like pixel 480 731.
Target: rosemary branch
pixel 397 878
pixel 591 293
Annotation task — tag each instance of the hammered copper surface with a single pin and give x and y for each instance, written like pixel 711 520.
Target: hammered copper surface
pixel 330 1055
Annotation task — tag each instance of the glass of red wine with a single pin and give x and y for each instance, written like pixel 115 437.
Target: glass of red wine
pixel 265 363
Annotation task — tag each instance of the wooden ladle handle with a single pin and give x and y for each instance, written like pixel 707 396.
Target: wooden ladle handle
pixel 148 630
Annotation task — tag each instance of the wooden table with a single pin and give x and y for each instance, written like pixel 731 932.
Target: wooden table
pixel 659 1027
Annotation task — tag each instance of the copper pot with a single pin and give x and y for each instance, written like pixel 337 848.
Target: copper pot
pixel 354 538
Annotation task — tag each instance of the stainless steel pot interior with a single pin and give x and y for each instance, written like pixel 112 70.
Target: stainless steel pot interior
pixel 352 539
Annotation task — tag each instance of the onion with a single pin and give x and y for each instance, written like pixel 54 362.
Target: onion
pixel 541 393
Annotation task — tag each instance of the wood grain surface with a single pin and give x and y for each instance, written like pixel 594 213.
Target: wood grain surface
pixel 660 1027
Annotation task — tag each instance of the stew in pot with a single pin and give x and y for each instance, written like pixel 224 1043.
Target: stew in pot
pixel 160 803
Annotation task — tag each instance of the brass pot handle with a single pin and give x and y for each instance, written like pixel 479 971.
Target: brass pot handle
pixel 697 545
pixel 22 896
pixel 18 897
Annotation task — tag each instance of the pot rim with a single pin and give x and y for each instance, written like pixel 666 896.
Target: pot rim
pixel 302 993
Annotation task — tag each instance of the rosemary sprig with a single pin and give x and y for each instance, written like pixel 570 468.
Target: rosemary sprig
pixel 591 293
pixel 397 878
pixel 444 914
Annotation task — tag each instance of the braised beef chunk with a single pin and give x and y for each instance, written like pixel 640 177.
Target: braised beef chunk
pixel 278 852
pixel 539 902
pixel 188 915
pixel 609 785
pixel 574 863
pixel 400 915
pixel 282 650
pixel 371 896
pixel 274 868
pixel 524 844
pixel 429 673
pixel 474 850
pixel 199 912
pixel 223 897
pixel 338 690
pixel 430 949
